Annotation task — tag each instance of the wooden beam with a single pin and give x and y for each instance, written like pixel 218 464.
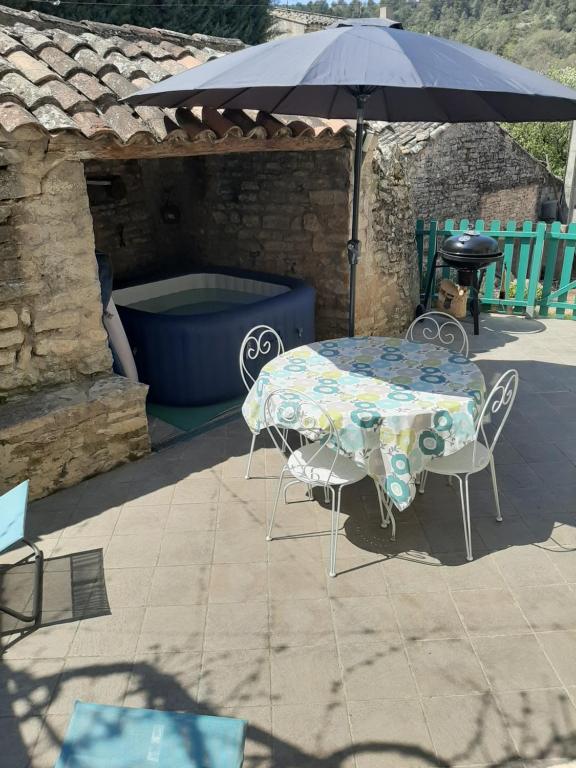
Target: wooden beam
pixel 78 148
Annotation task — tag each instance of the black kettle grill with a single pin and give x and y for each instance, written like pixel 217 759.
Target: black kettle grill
pixel 469 253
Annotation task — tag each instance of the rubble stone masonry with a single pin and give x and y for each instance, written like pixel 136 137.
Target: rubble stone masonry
pixel 51 332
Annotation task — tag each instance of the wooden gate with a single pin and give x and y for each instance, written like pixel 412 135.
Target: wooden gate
pixel 538 271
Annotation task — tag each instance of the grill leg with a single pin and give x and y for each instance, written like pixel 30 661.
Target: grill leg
pixel 475 303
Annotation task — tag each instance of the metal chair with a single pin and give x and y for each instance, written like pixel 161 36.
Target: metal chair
pixel 260 341
pixel 439 328
pixel 12 525
pixel 479 454
pixel 318 463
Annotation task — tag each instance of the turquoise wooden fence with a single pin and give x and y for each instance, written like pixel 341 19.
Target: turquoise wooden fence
pixel 537 274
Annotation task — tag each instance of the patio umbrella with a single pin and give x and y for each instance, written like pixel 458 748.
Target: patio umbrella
pixel 368 69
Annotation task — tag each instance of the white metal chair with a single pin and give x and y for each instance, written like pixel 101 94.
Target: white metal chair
pixel 439 328
pixel 260 341
pixel 479 454
pixel 318 463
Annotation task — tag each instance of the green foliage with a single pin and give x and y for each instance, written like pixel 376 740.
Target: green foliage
pixel 248 20
pixel 547 141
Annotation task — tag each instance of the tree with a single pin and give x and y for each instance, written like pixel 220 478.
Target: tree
pixel 548 142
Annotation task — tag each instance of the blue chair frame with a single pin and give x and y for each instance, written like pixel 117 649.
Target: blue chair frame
pixel 13 506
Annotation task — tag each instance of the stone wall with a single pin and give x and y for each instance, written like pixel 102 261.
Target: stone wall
pixel 142 219
pixel 478 171
pixel 56 437
pixel 388 275
pixel 285 213
pixel 50 310
pixel 63 415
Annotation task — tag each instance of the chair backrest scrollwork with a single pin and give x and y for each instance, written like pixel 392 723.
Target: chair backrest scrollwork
pixel 439 328
pixel 260 341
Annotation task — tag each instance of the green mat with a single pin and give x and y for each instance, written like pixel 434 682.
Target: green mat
pixel 191 419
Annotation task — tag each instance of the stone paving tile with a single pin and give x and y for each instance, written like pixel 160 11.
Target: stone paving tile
pixel 164 681
pixel 192 517
pixel 445 667
pixel 304 734
pixel 469 730
pixel 235 677
pixel 548 607
pixel 515 663
pixel 376 672
pixel 542 723
pixel 94 679
pixel 237 625
pixel 391 734
pixel 560 647
pixel 305 675
pixel 179 585
pixel 490 612
pixel 423 616
pixel 169 629
pixel 301 622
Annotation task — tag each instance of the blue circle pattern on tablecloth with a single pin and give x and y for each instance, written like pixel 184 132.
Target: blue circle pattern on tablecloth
pixel 409 401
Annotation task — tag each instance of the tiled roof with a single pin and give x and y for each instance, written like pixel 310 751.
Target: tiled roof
pixel 302 17
pixel 410 137
pixel 65 77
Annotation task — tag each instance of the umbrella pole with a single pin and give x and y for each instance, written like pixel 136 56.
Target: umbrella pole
pixel 353 245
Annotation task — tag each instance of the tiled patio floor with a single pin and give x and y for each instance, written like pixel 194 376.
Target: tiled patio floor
pixel 410 657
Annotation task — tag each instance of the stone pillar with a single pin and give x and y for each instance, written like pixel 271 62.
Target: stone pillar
pixel 388 279
pixel 51 332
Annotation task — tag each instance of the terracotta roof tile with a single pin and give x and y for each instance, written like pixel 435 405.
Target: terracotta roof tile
pixel 53 118
pixel 101 45
pixel 92 88
pixel 9 44
pixel 121 86
pixel 67 42
pixel 34 70
pixel 153 51
pixel 92 124
pixel 31 38
pixel 152 69
pixel 14 117
pixel 68 98
pixel 119 117
pixel 173 66
pixel 31 95
pixel 91 62
pixel 58 75
pixel 59 61
pixel 6 66
pixel 125 66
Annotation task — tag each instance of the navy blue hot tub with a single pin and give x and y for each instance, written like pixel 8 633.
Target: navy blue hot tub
pixel 186 332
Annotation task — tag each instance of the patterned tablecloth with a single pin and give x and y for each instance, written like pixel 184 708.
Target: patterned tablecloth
pixel 410 401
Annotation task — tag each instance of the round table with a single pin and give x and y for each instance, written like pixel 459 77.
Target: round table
pixel 409 401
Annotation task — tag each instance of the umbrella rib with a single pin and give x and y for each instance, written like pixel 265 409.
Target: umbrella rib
pixel 225 103
pixel 282 98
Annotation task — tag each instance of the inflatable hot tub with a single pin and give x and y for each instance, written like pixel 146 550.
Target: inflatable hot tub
pixel 185 332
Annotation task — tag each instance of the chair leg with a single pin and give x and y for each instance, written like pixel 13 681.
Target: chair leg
pixel 495 489
pixel 247 475
pixel 423 478
pixel 465 504
pixel 336 496
pixel 275 507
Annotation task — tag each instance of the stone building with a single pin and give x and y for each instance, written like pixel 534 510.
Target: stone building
pixel 473 171
pixel 161 191
pixel 289 22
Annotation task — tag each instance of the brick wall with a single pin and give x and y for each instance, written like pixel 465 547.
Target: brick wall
pixel 478 171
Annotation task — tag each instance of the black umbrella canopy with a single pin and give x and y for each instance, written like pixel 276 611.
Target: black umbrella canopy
pixel 368 69
pixel 409 77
